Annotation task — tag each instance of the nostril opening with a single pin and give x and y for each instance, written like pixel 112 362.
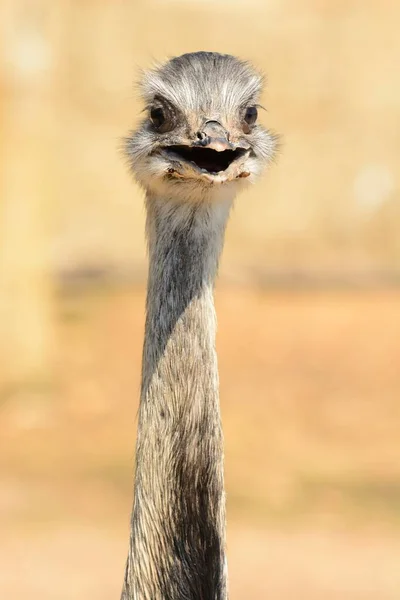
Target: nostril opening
pixel 201 135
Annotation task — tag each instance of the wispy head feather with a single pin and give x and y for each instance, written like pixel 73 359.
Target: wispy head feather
pixel 204 81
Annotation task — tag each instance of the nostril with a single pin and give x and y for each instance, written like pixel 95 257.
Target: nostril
pixel 203 138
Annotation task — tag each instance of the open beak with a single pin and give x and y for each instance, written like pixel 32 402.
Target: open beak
pixel 212 153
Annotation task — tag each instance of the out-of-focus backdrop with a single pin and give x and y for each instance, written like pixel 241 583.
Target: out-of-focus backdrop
pixel 308 303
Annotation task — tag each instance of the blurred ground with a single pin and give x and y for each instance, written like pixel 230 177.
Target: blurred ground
pixel 310 389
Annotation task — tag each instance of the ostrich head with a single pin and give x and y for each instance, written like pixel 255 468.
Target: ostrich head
pixel 200 137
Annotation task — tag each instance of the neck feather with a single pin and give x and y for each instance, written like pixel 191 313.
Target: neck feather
pixel 178 521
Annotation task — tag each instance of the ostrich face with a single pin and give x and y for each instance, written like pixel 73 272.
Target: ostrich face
pixel 200 133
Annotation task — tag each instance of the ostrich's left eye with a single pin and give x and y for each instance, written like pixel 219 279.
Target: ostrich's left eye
pixel 249 118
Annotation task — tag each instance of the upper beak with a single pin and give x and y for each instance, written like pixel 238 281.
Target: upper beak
pixel 214 136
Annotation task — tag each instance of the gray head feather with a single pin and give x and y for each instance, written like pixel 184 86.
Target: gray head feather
pixel 204 81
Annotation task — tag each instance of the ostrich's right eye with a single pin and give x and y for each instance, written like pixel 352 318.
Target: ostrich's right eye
pixel 157 117
pixel 163 115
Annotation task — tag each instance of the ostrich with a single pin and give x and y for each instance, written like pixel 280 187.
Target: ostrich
pixel 198 145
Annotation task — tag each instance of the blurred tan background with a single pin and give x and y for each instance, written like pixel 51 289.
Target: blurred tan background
pixel 308 297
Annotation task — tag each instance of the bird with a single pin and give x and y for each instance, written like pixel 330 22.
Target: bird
pixel 198 145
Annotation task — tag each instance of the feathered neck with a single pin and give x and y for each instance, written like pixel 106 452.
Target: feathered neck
pixel 177 548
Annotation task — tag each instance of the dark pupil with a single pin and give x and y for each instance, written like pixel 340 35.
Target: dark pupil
pixel 157 116
pixel 251 115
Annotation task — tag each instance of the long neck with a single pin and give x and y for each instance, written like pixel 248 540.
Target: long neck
pixel 178 520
